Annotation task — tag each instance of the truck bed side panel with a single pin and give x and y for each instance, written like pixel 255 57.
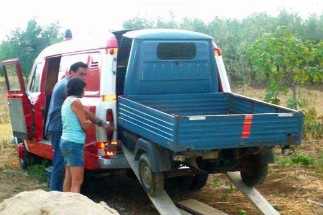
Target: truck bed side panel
pixel 147 122
pixel 192 104
pixel 243 105
pixel 219 132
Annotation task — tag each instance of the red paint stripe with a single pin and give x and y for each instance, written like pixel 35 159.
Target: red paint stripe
pixel 246 126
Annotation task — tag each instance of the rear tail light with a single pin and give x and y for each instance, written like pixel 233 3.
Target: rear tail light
pixel 109 98
pixel 107 150
pixel 110 151
pixel 112 51
pixel 109 115
pixel 217 50
pixel 101 147
pixel 109 118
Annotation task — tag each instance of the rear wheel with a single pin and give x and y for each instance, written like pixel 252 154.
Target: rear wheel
pixel 199 181
pixel 152 182
pixel 23 156
pixel 255 175
pixel 26 159
pixel 192 182
pixel 186 182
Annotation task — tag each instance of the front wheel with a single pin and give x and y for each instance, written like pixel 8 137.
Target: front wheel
pixel 152 182
pixel 255 175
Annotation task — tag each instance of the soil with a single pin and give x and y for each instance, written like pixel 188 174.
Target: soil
pixel 287 188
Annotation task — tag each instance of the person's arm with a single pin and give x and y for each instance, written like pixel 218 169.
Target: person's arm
pixel 98 121
pixel 77 107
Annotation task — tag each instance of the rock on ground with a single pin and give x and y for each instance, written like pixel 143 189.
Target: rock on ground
pixel 40 202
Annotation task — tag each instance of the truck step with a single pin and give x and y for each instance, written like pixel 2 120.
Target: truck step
pixel 252 194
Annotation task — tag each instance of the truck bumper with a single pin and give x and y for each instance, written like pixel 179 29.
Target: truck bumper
pixel 119 162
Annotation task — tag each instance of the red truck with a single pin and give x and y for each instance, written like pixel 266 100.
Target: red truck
pixel 28 104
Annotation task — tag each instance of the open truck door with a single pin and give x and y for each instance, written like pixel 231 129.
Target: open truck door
pixel 19 105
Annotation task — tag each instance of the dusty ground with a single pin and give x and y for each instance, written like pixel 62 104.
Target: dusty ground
pixel 286 188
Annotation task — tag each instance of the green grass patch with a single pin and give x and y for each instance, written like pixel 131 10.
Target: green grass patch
pixel 300 159
pixel 243 212
pixel 38 171
pixel 304 160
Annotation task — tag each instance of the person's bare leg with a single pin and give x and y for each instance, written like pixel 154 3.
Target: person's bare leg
pixel 67 180
pixel 77 173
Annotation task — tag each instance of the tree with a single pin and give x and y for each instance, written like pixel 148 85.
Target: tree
pixel 287 61
pixel 27 44
pixel 138 23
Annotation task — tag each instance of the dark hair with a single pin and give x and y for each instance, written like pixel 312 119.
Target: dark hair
pixel 77 65
pixel 75 87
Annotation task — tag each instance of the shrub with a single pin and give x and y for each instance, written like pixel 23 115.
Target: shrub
pixel 313 124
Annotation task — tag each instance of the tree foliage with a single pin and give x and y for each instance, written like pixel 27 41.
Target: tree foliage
pixel 28 43
pixel 287 61
pixel 235 37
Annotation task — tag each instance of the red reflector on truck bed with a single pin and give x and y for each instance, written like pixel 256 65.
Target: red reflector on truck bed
pixel 246 128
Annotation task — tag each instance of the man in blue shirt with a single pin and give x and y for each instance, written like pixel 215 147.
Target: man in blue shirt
pixel 54 123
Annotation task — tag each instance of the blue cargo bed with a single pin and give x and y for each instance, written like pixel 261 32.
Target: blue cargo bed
pixel 209 121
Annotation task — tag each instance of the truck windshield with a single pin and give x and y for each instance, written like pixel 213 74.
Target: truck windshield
pixel 169 51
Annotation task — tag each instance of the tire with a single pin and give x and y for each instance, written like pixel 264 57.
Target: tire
pixel 185 182
pixel 26 159
pixel 199 181
pixel 23 156
pixel 256 175
pixel 152 182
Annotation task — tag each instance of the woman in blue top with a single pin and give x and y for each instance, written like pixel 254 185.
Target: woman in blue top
pixel 75 122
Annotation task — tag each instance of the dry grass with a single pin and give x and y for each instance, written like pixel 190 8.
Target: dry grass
pixel 6 133
pixel 4 117
pixel 5 127
pixel 311 95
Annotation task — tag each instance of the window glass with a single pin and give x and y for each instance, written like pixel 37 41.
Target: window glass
pixel 169 51
pixel 12 76
pixel 92 79
pixel 34 85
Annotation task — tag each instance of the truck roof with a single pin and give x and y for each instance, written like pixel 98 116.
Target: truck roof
pixel 70 46
pixel 166 34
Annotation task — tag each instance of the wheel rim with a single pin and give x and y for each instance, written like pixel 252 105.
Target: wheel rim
pixel 146 175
